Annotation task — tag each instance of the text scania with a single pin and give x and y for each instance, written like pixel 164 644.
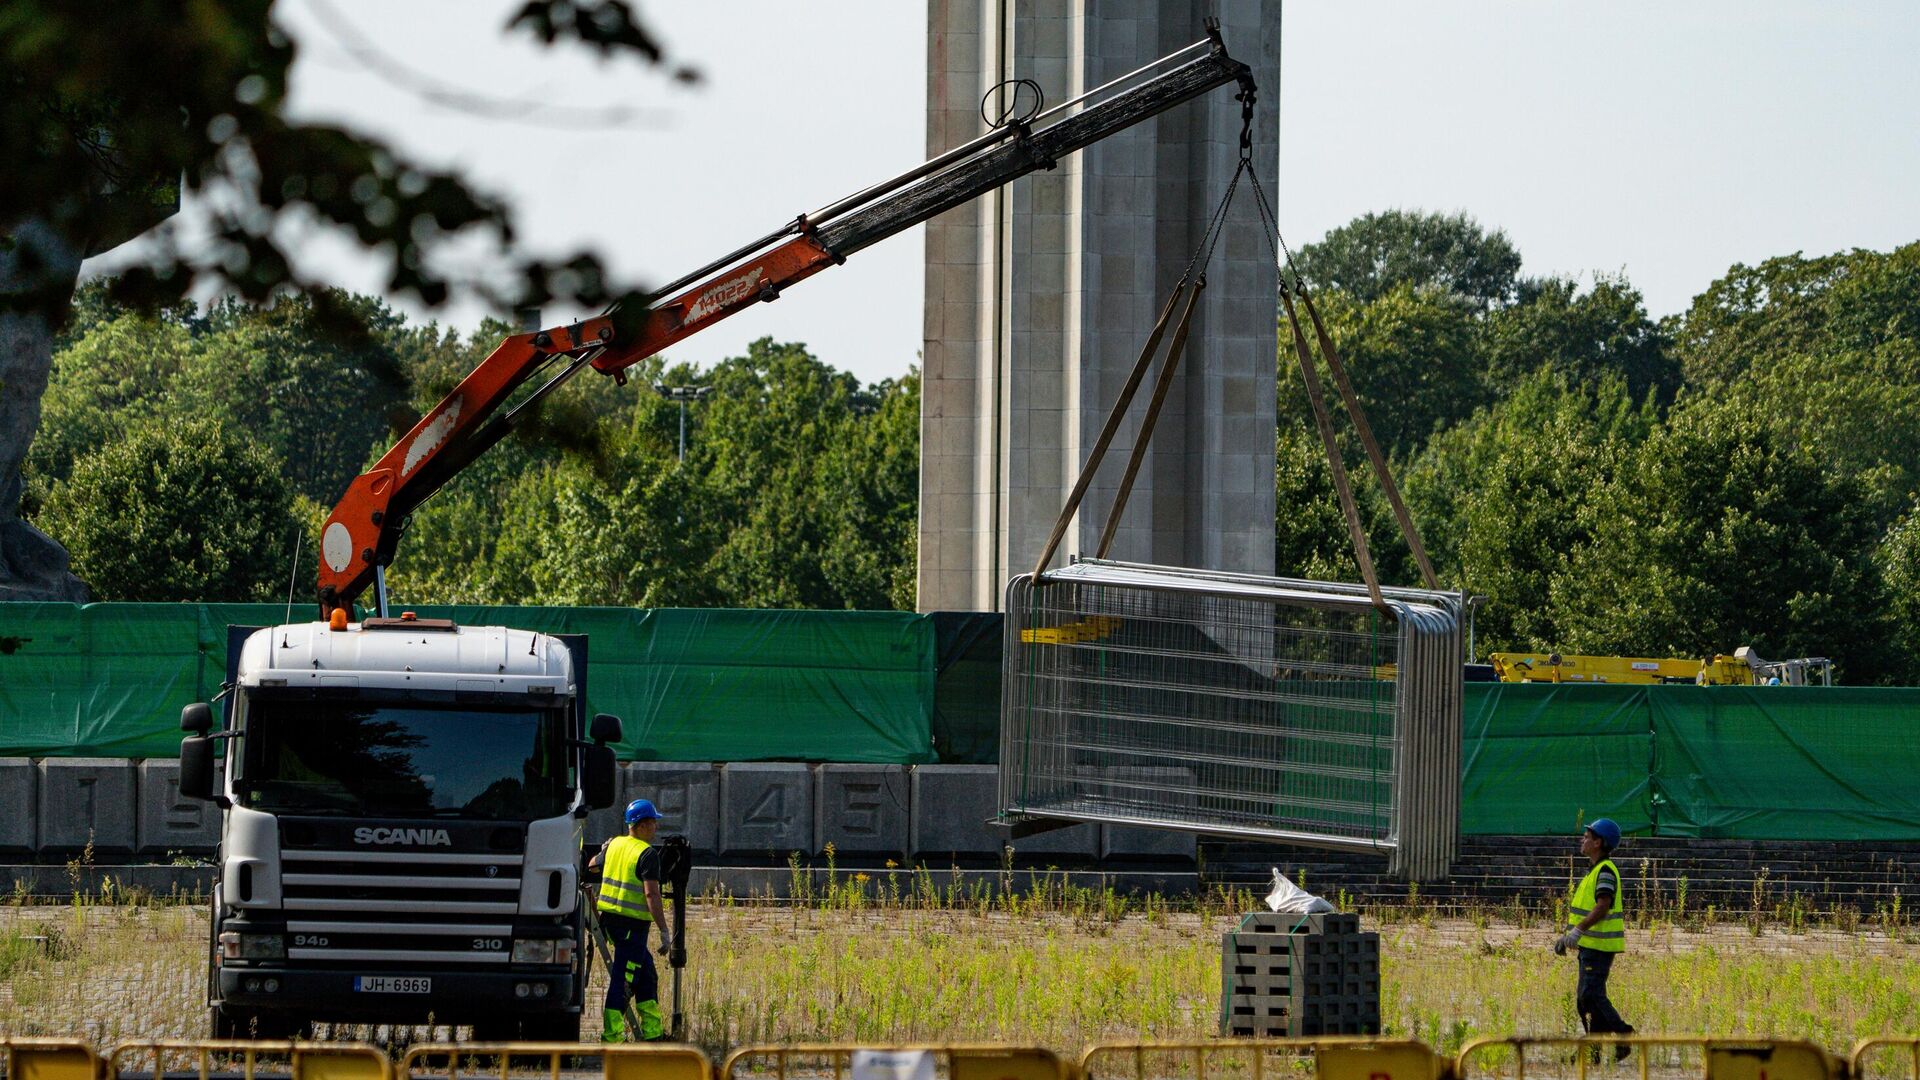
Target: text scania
pixel 423 837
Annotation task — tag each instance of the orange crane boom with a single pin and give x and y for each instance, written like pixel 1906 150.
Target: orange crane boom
pixel 361 533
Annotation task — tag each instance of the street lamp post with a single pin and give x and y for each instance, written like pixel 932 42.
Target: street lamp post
pixel 682 394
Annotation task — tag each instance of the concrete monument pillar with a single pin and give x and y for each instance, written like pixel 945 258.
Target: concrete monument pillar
pixel 1040 296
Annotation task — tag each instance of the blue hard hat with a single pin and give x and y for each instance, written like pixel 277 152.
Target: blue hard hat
pixel 1604 828
pixel 641 810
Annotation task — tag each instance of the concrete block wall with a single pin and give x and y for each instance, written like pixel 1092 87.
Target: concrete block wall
pixel 167 822
pixel 766 807
pixel 740 814
pixel 19 794
pixel 862 809
pixel 954 802
pixel 86 801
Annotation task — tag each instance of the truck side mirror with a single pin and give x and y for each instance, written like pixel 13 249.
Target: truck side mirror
pixel 597 778
pixel 605 729
pixel 196 765
pixel 197 718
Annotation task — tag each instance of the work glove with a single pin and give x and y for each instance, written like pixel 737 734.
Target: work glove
pixel 1568 940
pixel 666 943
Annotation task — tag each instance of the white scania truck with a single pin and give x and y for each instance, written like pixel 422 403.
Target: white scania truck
pixel 402 809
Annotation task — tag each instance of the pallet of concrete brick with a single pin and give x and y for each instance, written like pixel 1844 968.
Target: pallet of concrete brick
pixel 1300 969
pixel 1299 975
pixel 1259 1017
pixel 1258 954
pixel 1265 1017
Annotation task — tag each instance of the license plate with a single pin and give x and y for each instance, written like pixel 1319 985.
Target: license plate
pixel 392 984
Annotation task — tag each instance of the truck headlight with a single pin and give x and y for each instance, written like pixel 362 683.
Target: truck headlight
pixel 238 946
pixel 535 951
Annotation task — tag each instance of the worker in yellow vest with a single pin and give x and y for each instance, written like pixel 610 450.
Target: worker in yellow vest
pixel 629 903
pixel 1597 932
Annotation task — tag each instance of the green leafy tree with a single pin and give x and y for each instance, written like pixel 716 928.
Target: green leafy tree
pixel 482 538
pixel 106 119
pixel 629 533
pixel 1412 357
pixel 1717 533
pixel 775 417
pixel 1898 562
pixel 1500 497
pixel 1589 336
pixel 109 114
pixel 276 374
pixel 318 397
pixel 176 511
pixel 1310 536
pixel 800 489
pixel 93 305
pixel 1848 303
pixel 871 494
pixel 1856 410
pixel 119 374
pixel 1375 254
pixel 1828 350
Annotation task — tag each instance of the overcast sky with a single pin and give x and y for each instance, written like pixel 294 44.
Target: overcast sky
pixel 1664 140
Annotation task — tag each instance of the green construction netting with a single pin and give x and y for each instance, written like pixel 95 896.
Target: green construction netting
pixel 1754 762
pixel 1546 759
pixel 966 687
pixel 109 679
pixel 1736 762
pixel 1776 763
pixel 760 685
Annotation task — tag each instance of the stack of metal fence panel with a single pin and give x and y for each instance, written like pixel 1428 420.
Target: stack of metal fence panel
pixel 1235 705
pixel 1284 974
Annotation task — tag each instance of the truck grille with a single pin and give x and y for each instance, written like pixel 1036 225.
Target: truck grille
pixel 399 908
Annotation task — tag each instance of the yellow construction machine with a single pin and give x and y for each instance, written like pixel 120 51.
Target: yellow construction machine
pixel 1743 668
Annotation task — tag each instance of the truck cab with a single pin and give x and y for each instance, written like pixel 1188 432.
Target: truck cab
pixel 402 809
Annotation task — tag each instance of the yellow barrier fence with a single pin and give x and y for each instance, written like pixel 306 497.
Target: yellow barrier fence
pixel 618 1061
pixel 49 1059
pixel 1663 1055
pixel 958 1061
pixel 297 1060
pixel 1868 1052
pixel 1334 1058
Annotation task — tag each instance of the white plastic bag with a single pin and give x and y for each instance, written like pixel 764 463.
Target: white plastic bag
pixel 1286 896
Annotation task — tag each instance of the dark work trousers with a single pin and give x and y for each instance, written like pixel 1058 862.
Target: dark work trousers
pixel 1596 1012
pixel 632 962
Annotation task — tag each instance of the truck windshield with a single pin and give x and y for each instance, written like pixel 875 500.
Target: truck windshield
pixel 354 758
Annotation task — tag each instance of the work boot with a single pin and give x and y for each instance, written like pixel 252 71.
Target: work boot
pixel 653 1026
pixel 1621 1050
pixel 613 1026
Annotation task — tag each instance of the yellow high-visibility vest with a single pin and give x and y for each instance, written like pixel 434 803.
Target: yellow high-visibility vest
pixel 620 889
pixel 1610 933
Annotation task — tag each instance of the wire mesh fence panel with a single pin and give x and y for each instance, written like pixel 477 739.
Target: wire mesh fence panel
pixel 1233 705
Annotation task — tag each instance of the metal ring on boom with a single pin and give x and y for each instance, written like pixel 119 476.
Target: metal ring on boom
pixel 1009 113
